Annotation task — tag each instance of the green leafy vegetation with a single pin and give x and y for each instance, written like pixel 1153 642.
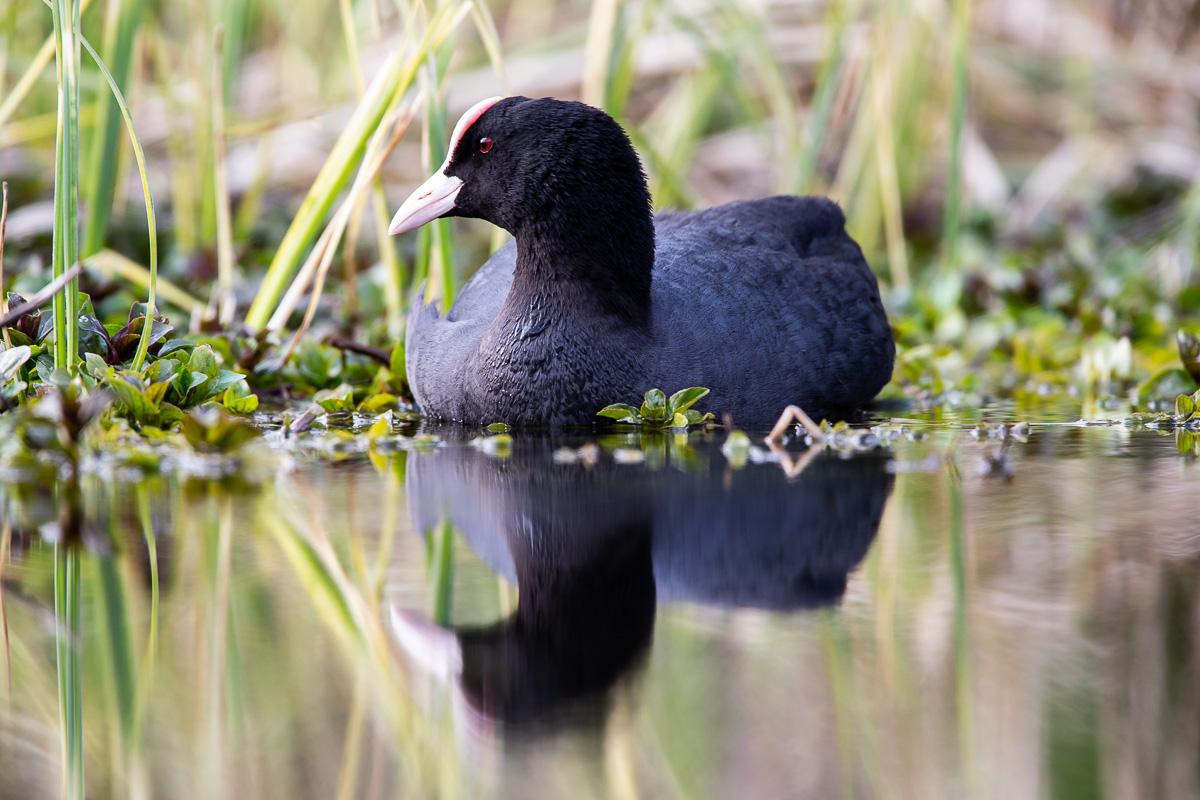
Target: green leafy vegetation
pixel 1011 263
pixel 659 411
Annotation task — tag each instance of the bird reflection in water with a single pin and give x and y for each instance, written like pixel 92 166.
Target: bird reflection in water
pixel 593 548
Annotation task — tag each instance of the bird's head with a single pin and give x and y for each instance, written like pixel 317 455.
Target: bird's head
pixel 514 162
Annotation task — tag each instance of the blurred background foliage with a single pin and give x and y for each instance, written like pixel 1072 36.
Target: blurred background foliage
pixel 1020 174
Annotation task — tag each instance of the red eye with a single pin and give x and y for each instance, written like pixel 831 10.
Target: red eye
pixel 485 144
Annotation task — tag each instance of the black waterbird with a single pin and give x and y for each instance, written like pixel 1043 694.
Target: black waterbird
pixel 766 302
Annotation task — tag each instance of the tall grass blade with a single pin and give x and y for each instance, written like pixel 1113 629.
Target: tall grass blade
pixel 66 180
pixel 958 112
pixel 830 76
pixel 393 268
pixel 441 245
pixel 490 37
pixel 321 258
pixel 139 358
pixel 112 264
pixel 598 51
pixel 395 78
pixel 348 30
pixel 121 23
pixel 29 78
pixel 885 159
pixel 225 299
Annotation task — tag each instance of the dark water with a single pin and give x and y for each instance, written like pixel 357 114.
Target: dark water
pixel 947 617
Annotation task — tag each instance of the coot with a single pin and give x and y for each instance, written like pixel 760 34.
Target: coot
pixel 766 302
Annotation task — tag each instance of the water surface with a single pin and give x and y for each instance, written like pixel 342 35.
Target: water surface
pixel 952 616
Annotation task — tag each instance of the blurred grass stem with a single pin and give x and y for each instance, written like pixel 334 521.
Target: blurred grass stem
pixel 121 22
pixel 139 358
pixel 66 180
pixel 225 298
pixel 951 222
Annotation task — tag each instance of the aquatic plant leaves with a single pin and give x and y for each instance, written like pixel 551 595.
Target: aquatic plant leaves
pixel 654 406
pixel 11 360
pixel 621 412
pixel 659 412
pixel 239 399
pixel 1185 408
pixel 198 379
pixel 335 400
pixel 318 366
pixel 118 343
pixel 172 345
pixel 163 369
pixel 379 403
pixel 685 399
pixel 130 392
pixel 125 340
pixel 31 328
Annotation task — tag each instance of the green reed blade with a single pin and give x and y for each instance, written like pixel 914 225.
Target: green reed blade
pixel 440 242
pixel 224 217
pixel 120 27
pixel 29 77
pixel 829 77
pixel 139 358
pixel 27 81
pixel 395 77
pixel 598 51
pixel 393 268
pixel 66 180
pixel 958 112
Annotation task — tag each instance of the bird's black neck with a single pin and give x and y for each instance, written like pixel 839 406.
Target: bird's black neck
pixel 594 259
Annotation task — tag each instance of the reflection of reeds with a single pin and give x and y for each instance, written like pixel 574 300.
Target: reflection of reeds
pixel 68 640
pixel 1032 638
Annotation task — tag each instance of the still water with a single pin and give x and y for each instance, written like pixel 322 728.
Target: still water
pixel 954 616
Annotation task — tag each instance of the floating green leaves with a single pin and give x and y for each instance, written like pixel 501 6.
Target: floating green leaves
pixel 659 411
pixel 1187 409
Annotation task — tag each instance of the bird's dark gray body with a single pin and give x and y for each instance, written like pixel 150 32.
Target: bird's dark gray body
pixel 767 303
